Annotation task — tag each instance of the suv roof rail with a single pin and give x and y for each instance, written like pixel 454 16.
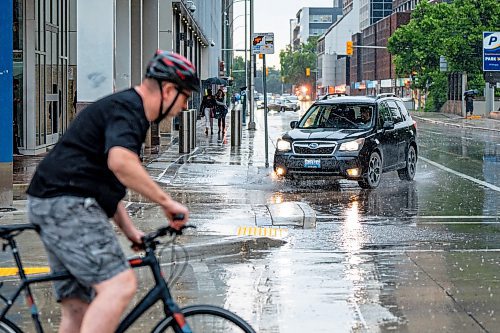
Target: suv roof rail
pixel 333 95
pixel 383 95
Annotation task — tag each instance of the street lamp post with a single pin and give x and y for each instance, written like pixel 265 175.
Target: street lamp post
pixel 251 83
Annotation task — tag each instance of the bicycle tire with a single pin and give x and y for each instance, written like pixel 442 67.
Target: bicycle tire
pixel 6 326
pixel 227 321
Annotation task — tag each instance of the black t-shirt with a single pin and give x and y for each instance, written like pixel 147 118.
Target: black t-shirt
pixel 78 163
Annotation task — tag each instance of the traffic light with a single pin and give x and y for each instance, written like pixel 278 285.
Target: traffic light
pixel 349 48
pixel 308 71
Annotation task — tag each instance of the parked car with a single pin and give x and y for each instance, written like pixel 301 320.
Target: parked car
pixel 287 104
pixel 355 138
pixel 274 104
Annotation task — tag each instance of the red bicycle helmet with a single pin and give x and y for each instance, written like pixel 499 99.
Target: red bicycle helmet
pixel 172 67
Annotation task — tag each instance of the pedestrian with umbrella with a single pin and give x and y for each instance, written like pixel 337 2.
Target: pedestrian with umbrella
pixel 207 110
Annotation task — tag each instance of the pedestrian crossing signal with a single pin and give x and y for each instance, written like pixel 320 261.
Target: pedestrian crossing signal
pixel 349 48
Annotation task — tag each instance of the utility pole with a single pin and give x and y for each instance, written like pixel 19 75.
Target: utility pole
pixel 244 117
pixel 266 132
pixel 251 83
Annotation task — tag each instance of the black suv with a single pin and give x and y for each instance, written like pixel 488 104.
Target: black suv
pixel 350 137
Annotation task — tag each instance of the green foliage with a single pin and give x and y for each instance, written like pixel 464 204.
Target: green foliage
pixel 454 31
pixel 294 63
pixel 273 83
pixel 438 83
pixel 238 73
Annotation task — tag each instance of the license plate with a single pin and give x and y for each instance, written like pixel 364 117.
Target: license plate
pixel 314 163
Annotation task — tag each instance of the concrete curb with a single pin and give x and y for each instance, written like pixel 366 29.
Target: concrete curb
pixel 455 125
pixel 229 246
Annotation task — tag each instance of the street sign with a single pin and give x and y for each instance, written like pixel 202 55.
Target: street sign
pixel 491 51
pixel 263 43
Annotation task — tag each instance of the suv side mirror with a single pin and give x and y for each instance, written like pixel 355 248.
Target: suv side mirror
pixel 388 125
pixel 294 124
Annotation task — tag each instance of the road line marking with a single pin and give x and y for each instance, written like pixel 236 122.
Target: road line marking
pixel 458 217
pixel 472 179
pixel 425 217
pixel 457 223
pixel 9 271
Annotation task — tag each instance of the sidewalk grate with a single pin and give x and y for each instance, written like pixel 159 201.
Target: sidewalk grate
pixel 258 231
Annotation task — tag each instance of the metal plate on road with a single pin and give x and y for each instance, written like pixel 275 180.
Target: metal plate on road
pixel 312 163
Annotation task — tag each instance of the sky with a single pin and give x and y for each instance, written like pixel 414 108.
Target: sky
pixel 271 16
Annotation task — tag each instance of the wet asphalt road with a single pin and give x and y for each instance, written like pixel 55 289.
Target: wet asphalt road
pixel 421 256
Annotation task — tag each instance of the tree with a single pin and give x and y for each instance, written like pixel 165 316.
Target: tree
pixel 273 83
pixel 238 73
pixel 450 30
pixel 294 63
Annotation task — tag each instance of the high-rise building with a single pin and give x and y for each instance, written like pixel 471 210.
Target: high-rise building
pixel 347 6
pixel 313 21
pixel 409 5
pixel 404 5
pixel 372 11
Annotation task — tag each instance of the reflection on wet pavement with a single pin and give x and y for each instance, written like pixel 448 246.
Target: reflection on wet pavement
pixel 417 256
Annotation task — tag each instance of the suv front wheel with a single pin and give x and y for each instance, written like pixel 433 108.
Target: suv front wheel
pixel 371 178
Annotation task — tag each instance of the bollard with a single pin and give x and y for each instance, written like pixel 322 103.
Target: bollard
pixel 236 126
pixel 184 135
pixel 192 128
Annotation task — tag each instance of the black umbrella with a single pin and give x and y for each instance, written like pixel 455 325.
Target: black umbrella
pixel 216 80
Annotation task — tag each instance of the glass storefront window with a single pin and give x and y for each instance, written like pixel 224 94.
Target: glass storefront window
pixel 18 65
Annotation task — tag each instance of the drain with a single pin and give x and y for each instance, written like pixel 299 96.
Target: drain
pixel 7 209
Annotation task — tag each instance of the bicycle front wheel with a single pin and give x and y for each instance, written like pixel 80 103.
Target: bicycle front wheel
pixel 6 326
pixel 206 319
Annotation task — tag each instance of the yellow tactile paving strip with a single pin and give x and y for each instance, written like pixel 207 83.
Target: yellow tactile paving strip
pixel 10 271
pixel 260 231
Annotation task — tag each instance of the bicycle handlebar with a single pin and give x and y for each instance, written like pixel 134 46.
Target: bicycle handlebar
pixel 149 239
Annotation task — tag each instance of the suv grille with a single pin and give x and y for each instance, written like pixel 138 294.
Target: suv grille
pixel 314 148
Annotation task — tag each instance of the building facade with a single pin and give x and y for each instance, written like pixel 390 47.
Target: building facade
pixel 333 64
pixel 371 69
pixel 409 5
pixel 69 53
pixel 313 22
pixel 372 11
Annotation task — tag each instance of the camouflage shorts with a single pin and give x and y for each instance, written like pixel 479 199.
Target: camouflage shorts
pixel 78 238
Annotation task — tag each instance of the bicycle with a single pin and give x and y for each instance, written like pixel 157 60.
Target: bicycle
pixel 190 319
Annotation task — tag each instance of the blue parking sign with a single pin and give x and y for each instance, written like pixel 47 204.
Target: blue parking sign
pixel 491 51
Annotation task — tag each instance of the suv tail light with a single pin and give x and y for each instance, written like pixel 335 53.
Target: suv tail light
pixel 415 123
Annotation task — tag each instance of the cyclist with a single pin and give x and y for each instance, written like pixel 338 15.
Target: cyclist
pixel 80 184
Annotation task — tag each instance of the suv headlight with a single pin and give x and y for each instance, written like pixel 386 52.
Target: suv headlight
pixel 352 145
pixel 283 145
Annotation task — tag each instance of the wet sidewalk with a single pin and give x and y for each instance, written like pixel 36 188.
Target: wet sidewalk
pixel 447 119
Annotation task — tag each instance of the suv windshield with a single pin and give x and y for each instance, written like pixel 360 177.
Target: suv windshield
pixel 338 116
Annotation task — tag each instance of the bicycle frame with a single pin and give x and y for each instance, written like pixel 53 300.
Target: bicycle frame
pixel 159 292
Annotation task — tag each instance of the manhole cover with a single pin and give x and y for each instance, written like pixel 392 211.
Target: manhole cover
pixel 7 209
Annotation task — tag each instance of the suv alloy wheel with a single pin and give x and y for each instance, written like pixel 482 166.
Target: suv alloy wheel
pixel 373 172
